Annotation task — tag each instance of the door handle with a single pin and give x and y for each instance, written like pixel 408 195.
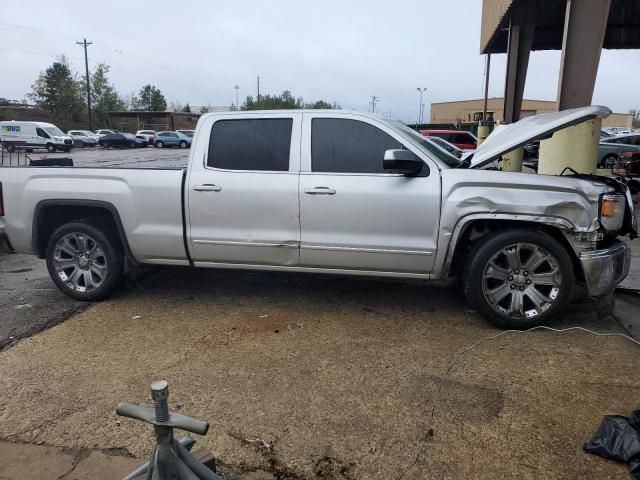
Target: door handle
pixel 320 191
pixel 207 187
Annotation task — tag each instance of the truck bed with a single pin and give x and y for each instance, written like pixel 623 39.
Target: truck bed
pixel 148 202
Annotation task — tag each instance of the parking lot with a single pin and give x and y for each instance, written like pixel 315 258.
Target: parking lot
pixel 149 157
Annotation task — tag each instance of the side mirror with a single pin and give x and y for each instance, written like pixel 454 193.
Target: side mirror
pixel 402 160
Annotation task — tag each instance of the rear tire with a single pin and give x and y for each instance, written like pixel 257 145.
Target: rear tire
pixel 51 148
pixel 159 144
pixel 84 261
pixel 519 278
pixel 10 147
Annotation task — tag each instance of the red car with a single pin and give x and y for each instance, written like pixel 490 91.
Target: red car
pixel 460 138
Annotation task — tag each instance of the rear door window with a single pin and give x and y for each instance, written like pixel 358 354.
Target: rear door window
pixel 261 144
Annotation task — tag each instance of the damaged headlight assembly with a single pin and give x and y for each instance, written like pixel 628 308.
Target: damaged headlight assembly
pixel 612 207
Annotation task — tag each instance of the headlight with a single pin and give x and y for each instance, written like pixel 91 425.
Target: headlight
pixel 612 208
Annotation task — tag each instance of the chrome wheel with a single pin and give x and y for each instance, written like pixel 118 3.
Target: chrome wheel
pixel 521 281
pixel 80 262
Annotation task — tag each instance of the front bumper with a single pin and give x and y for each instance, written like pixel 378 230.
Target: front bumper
pixel 604 269
pixel 5 246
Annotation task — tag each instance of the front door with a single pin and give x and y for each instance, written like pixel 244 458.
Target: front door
pixel 355 215
pixel 243 193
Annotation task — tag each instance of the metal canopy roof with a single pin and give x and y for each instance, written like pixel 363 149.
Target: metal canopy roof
pixel 623 26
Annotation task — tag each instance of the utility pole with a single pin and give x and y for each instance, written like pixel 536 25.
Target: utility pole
pixel 237 87
pixel 258 88
pixel 420 106
pixel 85 44
pixel 374 100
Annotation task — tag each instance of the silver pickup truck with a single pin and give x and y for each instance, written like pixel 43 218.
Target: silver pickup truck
pixel 334 192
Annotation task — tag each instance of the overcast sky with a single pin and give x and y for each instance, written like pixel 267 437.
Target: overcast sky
pixel 342 51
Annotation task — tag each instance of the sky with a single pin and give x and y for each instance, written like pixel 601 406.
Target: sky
pixel 338 51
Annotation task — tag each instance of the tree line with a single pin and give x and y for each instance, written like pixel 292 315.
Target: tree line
pixel 62 92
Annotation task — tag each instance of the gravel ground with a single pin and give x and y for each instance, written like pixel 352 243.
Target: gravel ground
pixel 338 376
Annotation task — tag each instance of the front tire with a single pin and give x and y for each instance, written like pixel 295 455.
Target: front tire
pixel 519 278
pixel 183 144
pixel 84 261
pixel 51 148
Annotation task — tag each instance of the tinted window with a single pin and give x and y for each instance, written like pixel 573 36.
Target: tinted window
pixel 251 144
pixel 348 146
pixel 464 138
pixel 41 133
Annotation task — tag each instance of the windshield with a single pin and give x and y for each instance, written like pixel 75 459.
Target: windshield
pixel 129 135
pixel 54 131
pixel 425 144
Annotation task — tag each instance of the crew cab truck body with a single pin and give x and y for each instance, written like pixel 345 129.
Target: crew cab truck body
pixel 332 192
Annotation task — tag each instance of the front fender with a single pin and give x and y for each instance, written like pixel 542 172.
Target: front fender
pixel 567 203
pixel 447 258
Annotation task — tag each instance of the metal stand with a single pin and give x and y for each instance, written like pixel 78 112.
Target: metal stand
pixel 171 459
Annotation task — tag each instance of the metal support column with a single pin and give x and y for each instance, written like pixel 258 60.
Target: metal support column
pixel 584 28
pixel 577 147
pixel 521 30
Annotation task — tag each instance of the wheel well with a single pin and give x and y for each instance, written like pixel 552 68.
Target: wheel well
pixel 50 217
pixel 477 229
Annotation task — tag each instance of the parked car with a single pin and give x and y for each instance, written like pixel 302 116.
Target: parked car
pixel 104 131
pixel 34 135
pixel 449 147
pixel 4 102
pixel 605 134
pixel 148 135
pixel 188 133
pixel 618 130
pixel 83 138
pixel 462 139
pixel 172 139
pixel 611 148
pixel 355 195
pixel 125 140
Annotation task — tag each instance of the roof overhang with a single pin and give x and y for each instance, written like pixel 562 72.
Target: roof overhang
pixel 623 25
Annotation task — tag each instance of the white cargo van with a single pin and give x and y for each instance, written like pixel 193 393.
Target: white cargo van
pixel 33 135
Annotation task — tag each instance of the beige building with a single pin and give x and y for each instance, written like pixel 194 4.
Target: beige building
pixel 468 111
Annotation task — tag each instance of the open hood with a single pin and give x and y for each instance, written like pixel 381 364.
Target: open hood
pixel 505 138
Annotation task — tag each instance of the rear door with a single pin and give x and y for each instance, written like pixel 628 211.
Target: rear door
pixel 243 190
pixel 355 215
